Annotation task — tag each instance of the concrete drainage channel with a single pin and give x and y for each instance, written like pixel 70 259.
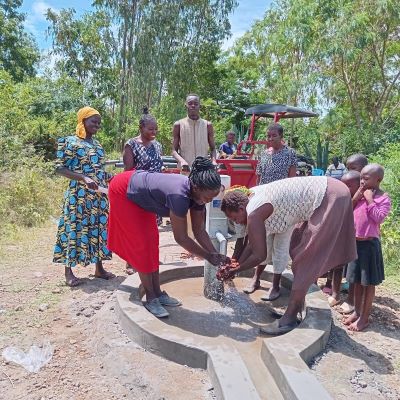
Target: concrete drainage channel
pixel 222 337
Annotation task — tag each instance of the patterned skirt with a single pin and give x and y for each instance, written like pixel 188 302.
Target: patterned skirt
pixel 82 229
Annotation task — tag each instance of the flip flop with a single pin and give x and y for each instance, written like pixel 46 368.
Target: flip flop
pixel 273 329
pixel 267 297
pixel 252 289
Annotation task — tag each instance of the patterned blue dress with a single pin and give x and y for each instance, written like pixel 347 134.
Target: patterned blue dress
pixel 146 158
pixel 82 230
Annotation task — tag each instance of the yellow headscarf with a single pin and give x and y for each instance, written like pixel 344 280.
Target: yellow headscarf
pixel 84 113
pixel 239 188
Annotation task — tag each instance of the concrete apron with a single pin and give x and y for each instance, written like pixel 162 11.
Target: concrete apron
pixel 246 366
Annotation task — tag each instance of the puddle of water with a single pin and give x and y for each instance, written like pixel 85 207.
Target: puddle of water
pixel 238 316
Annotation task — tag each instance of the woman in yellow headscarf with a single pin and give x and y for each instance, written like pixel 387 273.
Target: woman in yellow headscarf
pixel 82 233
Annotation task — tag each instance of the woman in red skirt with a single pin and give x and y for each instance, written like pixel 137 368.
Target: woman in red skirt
pixel 137 197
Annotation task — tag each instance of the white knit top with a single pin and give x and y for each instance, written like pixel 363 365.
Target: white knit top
pixel 294 200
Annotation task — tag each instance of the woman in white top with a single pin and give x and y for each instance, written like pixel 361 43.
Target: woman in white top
pixel 319 212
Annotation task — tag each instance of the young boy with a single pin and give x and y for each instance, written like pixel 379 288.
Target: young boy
pixel 352 180
pixel 355 162
pixel 372 207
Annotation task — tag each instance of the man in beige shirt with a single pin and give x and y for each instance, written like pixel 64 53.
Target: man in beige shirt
pixel 192 136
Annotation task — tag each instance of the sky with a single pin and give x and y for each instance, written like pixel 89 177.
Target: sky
pixel 241 20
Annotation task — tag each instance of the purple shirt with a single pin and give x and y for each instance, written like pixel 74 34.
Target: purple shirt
pixel 161 193
pixel 368 218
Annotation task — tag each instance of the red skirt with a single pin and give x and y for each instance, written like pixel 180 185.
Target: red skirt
pixel 132 231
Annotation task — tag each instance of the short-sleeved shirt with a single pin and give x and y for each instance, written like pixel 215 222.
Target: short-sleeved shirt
pixel 274 166
pixel 146 158
pixel 87 158
pixel 294 200
pixel 227 148
pixel 162 193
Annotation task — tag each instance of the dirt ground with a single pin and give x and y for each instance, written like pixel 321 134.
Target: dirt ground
pixel 94 359
pixel 364 365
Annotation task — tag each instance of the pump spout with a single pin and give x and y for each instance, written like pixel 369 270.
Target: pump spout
pixel 217 229
pixel 223 243
pixel 213 288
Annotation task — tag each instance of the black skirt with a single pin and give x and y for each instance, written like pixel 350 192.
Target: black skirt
pixel 368 268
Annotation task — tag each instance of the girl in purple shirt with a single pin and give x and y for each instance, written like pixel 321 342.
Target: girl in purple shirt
pixel 372 206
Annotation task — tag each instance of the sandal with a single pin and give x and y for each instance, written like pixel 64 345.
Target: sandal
pixel 346 308
pixel 332 301
pixel 274 329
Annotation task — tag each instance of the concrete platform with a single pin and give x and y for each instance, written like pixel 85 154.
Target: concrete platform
pixel 224 337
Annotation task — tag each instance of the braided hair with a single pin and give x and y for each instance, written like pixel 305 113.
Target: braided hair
pixel 204 174
pixel 235 197
pixel 146 117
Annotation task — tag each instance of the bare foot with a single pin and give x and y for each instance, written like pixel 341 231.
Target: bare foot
pixel 358 325
pixel 271 295
pixel 101 273
pixel 350 319
pixel 104 275
pixel 254 285
pixel 70 279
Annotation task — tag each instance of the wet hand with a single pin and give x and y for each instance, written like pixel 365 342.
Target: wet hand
pixel 227 271
pixel 90 183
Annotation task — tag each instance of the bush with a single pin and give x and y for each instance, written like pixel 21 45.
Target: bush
pixel 29 195
pixel 389 157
